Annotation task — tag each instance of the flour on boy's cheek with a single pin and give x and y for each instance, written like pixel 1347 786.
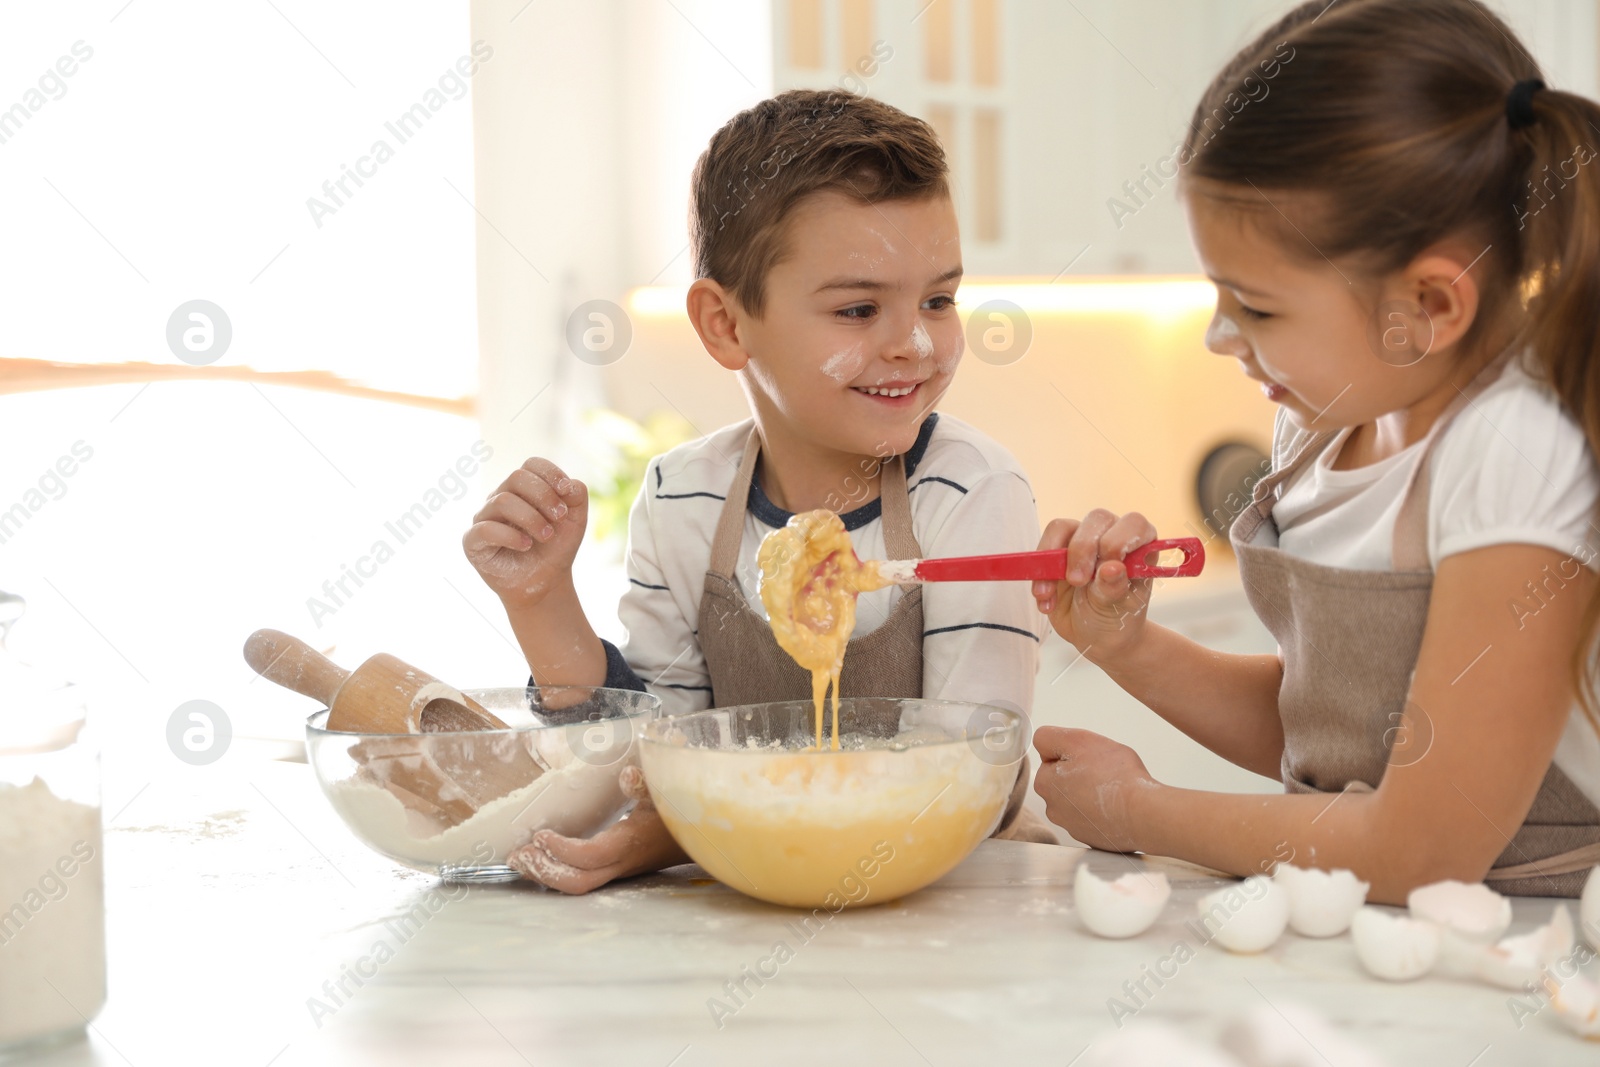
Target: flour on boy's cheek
pixel 846 365
pixel 946 352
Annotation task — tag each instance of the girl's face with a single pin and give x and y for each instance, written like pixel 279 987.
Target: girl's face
pixel 1315 338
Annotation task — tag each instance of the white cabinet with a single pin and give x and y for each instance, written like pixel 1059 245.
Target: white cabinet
pixel 1052 111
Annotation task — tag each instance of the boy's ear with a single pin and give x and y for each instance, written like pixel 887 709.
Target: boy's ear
pixel 715 314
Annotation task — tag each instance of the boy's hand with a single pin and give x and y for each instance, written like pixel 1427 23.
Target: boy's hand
pixel 1097 606
pixel 636 845
pixel 524 539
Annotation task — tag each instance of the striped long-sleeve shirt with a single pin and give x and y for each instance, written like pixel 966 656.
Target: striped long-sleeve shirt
pixel 968 497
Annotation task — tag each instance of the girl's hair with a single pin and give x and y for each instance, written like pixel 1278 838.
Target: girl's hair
pixel 1384 125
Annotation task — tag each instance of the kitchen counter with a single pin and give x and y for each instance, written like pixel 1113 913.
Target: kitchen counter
pixel 238 904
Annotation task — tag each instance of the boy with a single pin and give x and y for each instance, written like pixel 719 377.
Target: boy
pixel 827 256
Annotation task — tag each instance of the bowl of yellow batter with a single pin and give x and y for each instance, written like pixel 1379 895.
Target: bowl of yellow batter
pixel 909 793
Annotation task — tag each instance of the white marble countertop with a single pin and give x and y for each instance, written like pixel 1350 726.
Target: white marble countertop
pixel 235 894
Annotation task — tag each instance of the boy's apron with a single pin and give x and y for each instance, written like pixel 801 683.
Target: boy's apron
pixel 747 666
pixel 1349 640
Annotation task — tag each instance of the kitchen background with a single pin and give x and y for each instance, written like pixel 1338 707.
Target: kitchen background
pixel 433 239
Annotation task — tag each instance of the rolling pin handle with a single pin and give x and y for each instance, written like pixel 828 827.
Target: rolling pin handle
pixel 295 665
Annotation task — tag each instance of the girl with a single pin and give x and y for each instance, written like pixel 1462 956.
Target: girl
pixel 1405 239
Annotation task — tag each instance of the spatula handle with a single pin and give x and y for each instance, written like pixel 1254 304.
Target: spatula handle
pixel 295 665
pixel 1194 559
pixel 1051 564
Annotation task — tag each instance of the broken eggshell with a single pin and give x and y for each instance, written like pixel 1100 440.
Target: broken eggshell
pixel 1393 946
pixel 1470 918
pixel 1249 916
pixel 1124 907
pixel 1321 903
pixel 1517 962
pixel 1576 1003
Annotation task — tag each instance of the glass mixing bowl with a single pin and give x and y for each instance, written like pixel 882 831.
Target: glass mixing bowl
pixel 457 803
pixel 915 786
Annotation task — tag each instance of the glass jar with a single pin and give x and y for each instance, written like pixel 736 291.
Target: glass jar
pixel 52 891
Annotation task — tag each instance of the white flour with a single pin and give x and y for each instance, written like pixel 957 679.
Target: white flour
pixel 575 800
pixel 845 364
pixel 52 913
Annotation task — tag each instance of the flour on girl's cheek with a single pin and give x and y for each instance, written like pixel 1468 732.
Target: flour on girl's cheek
pixel 922 342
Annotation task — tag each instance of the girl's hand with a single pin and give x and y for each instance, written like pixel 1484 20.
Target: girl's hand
pixel 524 539
pixel 1097 607
pixel 636 845
pixel 1086 781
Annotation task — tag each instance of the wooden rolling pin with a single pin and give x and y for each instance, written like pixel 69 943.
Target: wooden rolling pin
pixel 444 777
pixel 382 696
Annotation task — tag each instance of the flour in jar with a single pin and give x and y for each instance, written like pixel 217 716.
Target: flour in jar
pixel 52 913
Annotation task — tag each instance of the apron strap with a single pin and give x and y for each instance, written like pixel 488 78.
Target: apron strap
pixel 730 524
pixel 898 537
pixel 1264 495
pixel 1569 862
pixel 1410 551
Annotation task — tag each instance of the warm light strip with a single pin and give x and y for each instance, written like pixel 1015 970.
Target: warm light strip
pixel 1158 296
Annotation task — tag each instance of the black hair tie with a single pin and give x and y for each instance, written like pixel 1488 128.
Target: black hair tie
pixel 1519 103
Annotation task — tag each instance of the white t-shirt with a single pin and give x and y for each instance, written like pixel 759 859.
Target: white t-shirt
pixel 968 497
pixel 1513 468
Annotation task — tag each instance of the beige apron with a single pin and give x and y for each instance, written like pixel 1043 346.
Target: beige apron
pixel 1349 641
pixel 747 666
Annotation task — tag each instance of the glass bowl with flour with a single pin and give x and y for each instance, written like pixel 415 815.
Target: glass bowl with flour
pixel 911 790
pixel 457 803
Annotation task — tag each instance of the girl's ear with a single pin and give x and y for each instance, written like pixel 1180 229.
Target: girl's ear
pixel 1441 283
pixel 715 314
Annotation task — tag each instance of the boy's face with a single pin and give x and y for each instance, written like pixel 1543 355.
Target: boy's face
pixel 859 337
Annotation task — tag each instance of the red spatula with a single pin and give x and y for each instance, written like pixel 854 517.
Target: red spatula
pixel 1050 565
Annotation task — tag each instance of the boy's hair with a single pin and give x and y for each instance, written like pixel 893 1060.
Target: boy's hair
pixel 765 160
pixel 1388 126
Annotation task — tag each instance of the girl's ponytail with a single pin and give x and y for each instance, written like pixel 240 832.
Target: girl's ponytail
pixel 1558 223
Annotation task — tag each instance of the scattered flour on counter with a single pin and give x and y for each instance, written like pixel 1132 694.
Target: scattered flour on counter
pixel 575 800
pixel 1043 906
pixel 52 912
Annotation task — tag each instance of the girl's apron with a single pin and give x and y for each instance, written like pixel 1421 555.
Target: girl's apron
pixel 747 666
pixel 1349 641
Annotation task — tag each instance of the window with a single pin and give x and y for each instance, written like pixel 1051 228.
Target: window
pixel 309 171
